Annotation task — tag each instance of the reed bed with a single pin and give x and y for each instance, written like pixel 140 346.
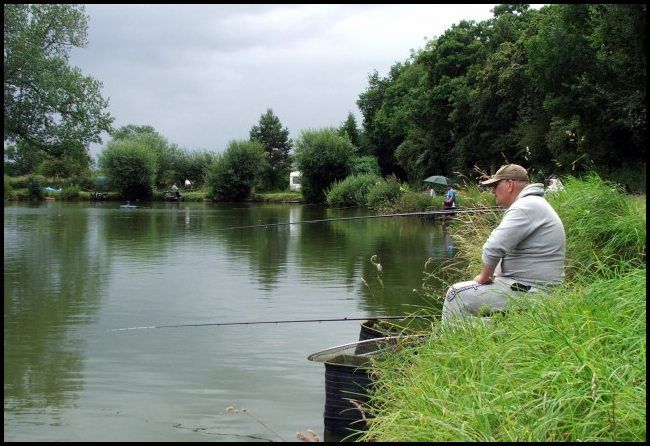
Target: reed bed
pixel 568 366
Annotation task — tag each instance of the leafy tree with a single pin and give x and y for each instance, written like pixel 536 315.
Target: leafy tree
pixel 47 103
pixel 232 174
pixel 380 141
pixel 323 156
pixel 131 130
pixel 130 166
pixel 21 159
pixel 589 61
pixel 63 160
pixel 360 165
pixel 168 156
pixel 193 166
pixel 72 160
pixel 349 129
pixel 277 146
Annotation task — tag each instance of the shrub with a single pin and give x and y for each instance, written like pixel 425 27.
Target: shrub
pixel 323 156
pixel 35 184
pixel 8 190
pixel 410 201
pixel 352 190
pixel 130 166
pixel 70 193
pixel 383 196
pixel 232 175
pixel 364 165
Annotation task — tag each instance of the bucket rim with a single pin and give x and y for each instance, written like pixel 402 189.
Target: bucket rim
pixel 315 356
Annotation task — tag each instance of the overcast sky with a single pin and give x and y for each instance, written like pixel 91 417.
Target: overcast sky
pixel 202 75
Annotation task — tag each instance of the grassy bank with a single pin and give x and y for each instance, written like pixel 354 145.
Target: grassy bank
pixel 569 367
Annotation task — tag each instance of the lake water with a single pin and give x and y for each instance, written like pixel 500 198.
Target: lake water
pixel 73 272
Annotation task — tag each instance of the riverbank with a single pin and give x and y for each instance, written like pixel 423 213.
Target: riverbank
pixel 570 367
pixel 75 194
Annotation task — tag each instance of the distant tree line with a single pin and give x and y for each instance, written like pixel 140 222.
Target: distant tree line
pixel 559 90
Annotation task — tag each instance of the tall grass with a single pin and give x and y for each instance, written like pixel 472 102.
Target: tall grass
pixel 569 366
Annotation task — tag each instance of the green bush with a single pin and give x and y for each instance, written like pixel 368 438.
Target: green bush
pixel 70 193
pixel 20 182
pixel 231 175
pixel 323 156
pixel 131 167
pixel 7 189
pixel 383 196
pixel 35 184
pixel 410 201
pixel 352 190
pixel 364 165
pixel 632 178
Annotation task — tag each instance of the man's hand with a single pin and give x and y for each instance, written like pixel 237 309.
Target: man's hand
pixel 485 276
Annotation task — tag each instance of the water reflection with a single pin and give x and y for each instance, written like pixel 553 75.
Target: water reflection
pixel 72 271
pixel 54 271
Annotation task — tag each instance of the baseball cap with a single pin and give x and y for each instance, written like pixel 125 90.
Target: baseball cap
pixel 507 172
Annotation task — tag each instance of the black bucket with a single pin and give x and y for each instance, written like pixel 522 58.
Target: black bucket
pixel 349 384
pixel 346 378
pixel 373 329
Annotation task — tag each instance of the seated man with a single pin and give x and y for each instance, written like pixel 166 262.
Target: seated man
pixel 525 253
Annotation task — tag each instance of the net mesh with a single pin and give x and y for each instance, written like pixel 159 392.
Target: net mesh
pixel 359 353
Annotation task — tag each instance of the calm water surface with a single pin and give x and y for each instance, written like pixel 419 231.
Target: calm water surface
pixel 75 271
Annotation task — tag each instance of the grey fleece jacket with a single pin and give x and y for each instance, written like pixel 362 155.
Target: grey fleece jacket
pixel 530 241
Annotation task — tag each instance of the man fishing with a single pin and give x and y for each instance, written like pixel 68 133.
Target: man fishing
pixel 524 254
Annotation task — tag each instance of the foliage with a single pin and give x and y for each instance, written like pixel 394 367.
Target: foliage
pixel 21 158
pixel 7 190
pixel 559 90
pixel 166 155
pixel 364 165
pixel 47 103
pixel 277 146
pixel 279 197
pixel 70 193
pixel 383 195
pixel 632 178
pixel 322 156
pixel 61 160
pixel 175 164
pixel 131 166
pixel 603 226
pixel 35 185
pixel 351 191
pixel 231 175
pixel 193 165
pixel 411 201
pixel 349 128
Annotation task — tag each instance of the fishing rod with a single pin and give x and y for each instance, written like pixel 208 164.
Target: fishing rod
pixel 405 214
pixel 294 321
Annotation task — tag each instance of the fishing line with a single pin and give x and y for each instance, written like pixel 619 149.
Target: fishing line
pixel 406 214
pixel 294 321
